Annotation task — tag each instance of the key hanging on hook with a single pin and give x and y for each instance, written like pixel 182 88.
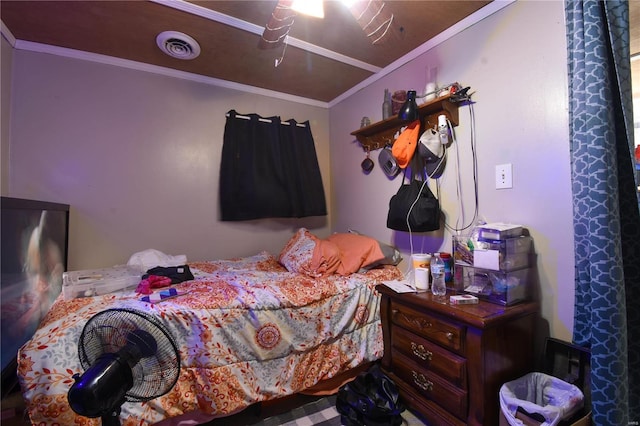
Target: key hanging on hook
pixel 367 163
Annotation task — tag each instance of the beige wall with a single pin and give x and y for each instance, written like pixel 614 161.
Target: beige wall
pixel 137 156
pixel 515 63
pixel 5 112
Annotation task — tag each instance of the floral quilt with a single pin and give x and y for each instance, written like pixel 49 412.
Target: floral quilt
pixel 247 331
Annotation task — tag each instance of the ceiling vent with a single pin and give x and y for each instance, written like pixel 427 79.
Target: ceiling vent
pixel 178 45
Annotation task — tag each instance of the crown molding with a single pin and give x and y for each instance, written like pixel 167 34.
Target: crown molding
pixel 6 33
pixel 140 66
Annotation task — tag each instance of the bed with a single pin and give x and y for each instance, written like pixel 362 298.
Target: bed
pixel 249 329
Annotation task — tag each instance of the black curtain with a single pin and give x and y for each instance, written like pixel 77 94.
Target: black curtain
pixel 269 169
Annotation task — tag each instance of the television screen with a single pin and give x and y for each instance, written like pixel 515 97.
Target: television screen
pixel 34 256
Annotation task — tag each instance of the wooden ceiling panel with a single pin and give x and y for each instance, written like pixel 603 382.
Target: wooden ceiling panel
pixel 128 29
pixel 414 22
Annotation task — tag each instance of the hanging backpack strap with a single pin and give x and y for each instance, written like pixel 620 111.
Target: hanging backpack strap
pixel 417 168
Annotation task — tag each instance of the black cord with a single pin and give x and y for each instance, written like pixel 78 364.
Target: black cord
pixel 474 167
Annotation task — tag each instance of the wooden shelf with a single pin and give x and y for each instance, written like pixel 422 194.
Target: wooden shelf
pixel 379 134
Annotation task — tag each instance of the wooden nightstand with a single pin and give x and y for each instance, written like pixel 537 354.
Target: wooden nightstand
pixel 449 361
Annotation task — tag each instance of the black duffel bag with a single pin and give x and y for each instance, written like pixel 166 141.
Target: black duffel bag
pixel 371 399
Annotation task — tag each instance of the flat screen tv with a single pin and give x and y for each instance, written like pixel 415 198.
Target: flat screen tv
pixel 33 256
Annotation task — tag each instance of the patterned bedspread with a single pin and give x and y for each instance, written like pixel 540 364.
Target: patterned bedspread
pixel 247 331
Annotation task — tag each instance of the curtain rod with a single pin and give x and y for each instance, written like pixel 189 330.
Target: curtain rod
pixel 265 120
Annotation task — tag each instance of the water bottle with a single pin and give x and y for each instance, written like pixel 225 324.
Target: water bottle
pixel 438 286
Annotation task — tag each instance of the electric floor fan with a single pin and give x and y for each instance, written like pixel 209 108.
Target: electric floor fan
pixel 128 356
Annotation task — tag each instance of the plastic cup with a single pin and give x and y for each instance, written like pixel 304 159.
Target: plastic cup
pixel 422 279
pixel 420 260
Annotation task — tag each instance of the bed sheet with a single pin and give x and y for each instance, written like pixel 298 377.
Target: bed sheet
pixel 247 331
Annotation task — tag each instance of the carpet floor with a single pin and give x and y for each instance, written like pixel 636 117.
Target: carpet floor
pixel 321 412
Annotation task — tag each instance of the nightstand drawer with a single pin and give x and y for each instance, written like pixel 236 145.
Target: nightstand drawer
pixel 431 412
pixel 431 356
pixel 447 334
pixel 431 386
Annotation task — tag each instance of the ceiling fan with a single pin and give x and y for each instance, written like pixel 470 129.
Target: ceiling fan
pixel 372 16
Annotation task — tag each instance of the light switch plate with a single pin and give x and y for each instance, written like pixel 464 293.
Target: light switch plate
pixel 504 176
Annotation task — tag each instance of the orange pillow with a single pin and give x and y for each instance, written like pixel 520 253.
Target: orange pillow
pixel 356 251
pixel 306 254
pixel 325 259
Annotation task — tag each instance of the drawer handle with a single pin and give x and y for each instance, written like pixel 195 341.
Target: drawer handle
pixel 422 382
pixel 450 336
pixel 421 352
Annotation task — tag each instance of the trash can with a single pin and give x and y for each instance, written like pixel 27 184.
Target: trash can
pixel 539 397
pixel 545 399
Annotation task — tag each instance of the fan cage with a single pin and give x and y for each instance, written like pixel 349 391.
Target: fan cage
pixel 107 332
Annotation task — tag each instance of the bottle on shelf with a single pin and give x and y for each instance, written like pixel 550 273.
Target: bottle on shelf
pixel 386 105
pixel 431 86
pixel 438 285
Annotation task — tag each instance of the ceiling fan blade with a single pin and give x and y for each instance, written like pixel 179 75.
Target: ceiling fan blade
pixel 276 30
pixel 375 19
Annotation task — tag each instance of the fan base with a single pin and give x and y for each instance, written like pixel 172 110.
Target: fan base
pixel 111 420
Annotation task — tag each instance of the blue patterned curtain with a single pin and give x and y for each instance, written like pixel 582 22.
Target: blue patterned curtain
pixel 606 206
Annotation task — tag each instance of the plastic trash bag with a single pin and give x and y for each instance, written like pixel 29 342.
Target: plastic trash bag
pixel 540 393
